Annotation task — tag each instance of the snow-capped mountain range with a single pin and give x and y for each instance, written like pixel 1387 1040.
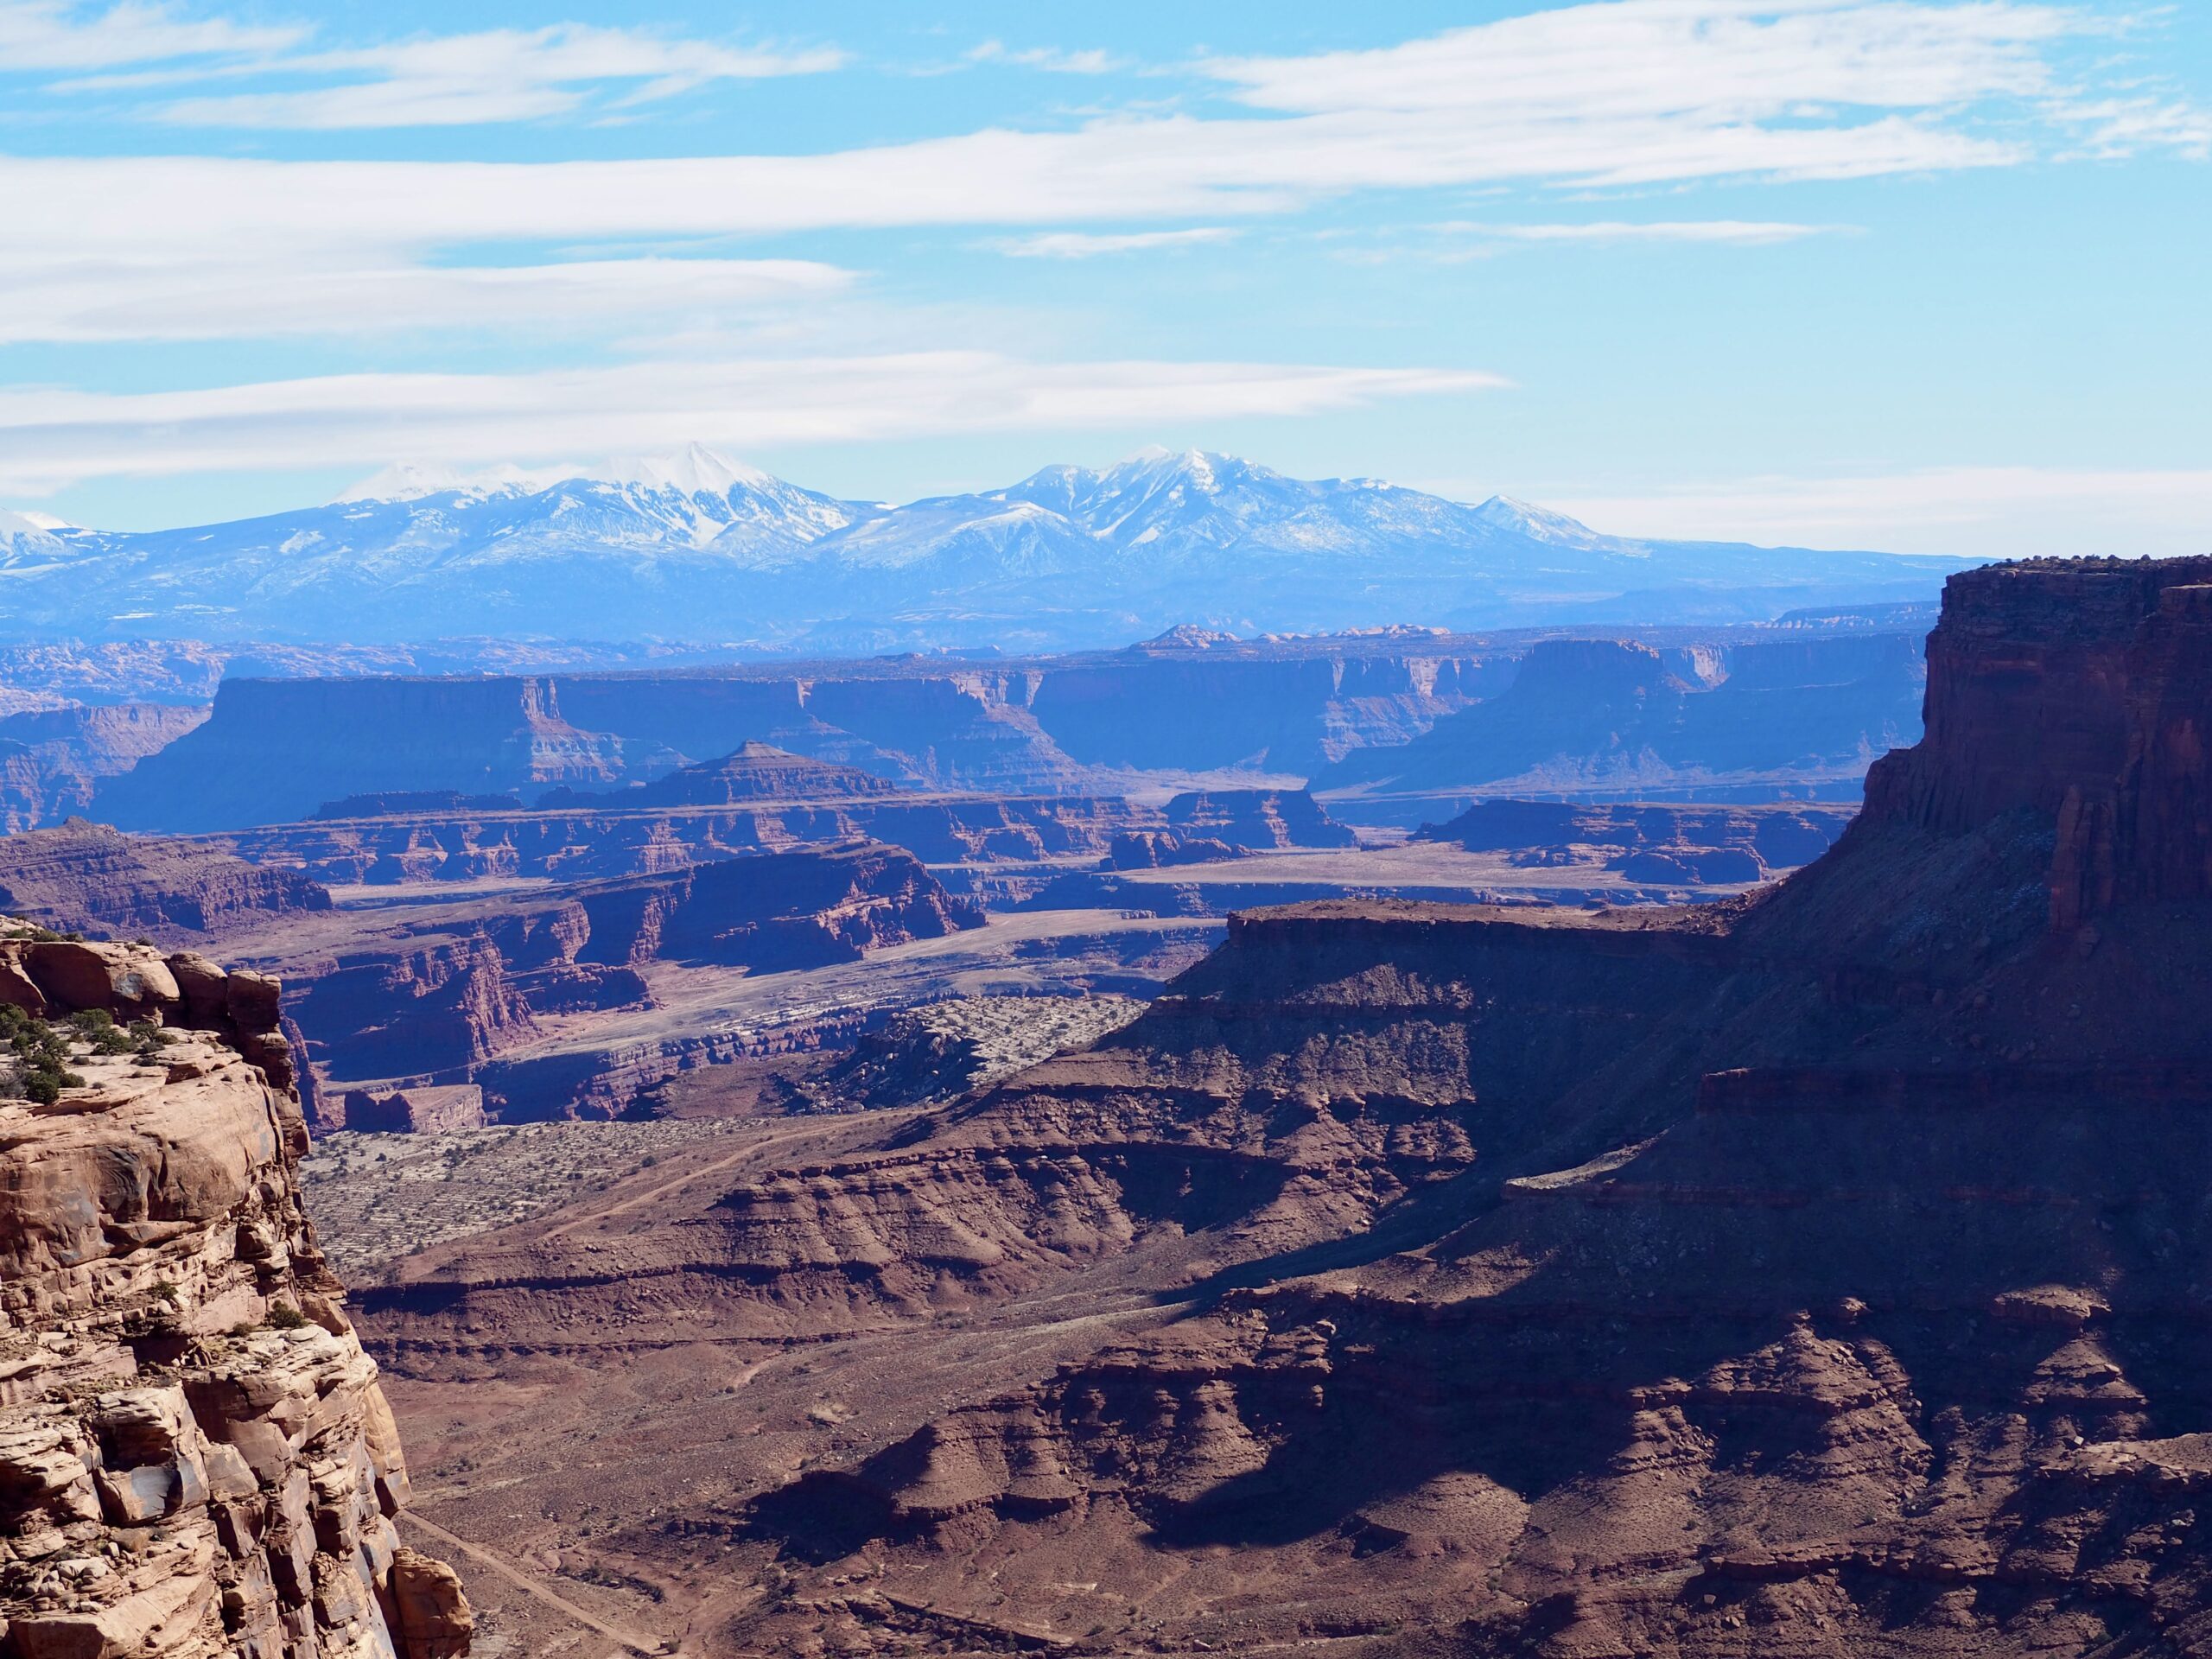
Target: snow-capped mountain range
pixel 693 547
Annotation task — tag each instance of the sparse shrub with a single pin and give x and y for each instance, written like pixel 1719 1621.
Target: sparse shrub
pixel 283 1316
pixel 166 1292
pixel 98 1027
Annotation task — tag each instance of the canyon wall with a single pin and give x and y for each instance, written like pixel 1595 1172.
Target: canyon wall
pixel 88 876
pixel 1616 719
pixel 436 995
pixel 53 761
pixel 2075 691
pixel 274 751
pixel 195 1457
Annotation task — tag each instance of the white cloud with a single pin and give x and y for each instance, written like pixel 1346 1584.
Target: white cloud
pixel 50 439
pixel 38 35
pixel 1079 244
pixel 155 298
pixel 1979 512
pixel 1052 59
pixel 1735 231
pixel 495 75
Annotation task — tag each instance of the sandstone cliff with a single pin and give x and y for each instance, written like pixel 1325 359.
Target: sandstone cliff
pixel 195 1457
pixel 274 750
pixel 52 761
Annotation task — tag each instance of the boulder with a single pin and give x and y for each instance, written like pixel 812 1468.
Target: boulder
pixel 430 1616
pixel 130 981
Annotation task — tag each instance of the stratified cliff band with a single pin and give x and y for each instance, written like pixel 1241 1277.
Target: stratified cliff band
pixel 195 1457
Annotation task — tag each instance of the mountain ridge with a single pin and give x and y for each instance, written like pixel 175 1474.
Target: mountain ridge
pixel 693 545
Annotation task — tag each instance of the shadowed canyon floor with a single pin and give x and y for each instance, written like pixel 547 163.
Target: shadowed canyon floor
pixel 1820 1271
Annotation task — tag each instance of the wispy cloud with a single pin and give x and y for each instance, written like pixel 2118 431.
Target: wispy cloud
pixel 496 75
pixel 1081 245
pixel 1052 59
pixel 153 298
pixel 491 75
pixel 49 440
pixel 55 35
pixel 1734 231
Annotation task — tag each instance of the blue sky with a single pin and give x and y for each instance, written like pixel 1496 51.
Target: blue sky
pixel 1912 275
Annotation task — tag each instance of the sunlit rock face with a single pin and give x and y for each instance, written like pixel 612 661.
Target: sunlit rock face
pixel 195 1457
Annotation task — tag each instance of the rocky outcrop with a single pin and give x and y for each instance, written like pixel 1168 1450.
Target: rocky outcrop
pixel 1158 849
pixel 1257 820
pixel 1701 844
pixel 86 876
pixel 2076 692
pixel 195 1457
pixel 421 1109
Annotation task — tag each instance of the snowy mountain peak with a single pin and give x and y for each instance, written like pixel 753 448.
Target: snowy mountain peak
pixel 28 530
pixel 412 480
pixel 1541 524
pixel 692 470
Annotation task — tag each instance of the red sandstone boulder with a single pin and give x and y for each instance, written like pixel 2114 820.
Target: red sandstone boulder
pixel 255 1000
pixel 430 1615
pixel 130 981
pixel 204 986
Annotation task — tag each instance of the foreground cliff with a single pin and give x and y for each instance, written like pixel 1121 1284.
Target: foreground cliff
pixel 195 1457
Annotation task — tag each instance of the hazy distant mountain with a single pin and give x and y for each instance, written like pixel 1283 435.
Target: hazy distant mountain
pixel 690 546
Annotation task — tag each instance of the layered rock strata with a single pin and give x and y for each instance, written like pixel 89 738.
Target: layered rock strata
pixel 574 843
pixel 195 1457
pixel 433 998
pixel 1257 820
pixel 86 876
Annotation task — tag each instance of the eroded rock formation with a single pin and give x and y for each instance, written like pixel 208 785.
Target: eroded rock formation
pixel 1257 820
pixel 575 842
pixel 432 998
pixel 195 1457
pixel 84 876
